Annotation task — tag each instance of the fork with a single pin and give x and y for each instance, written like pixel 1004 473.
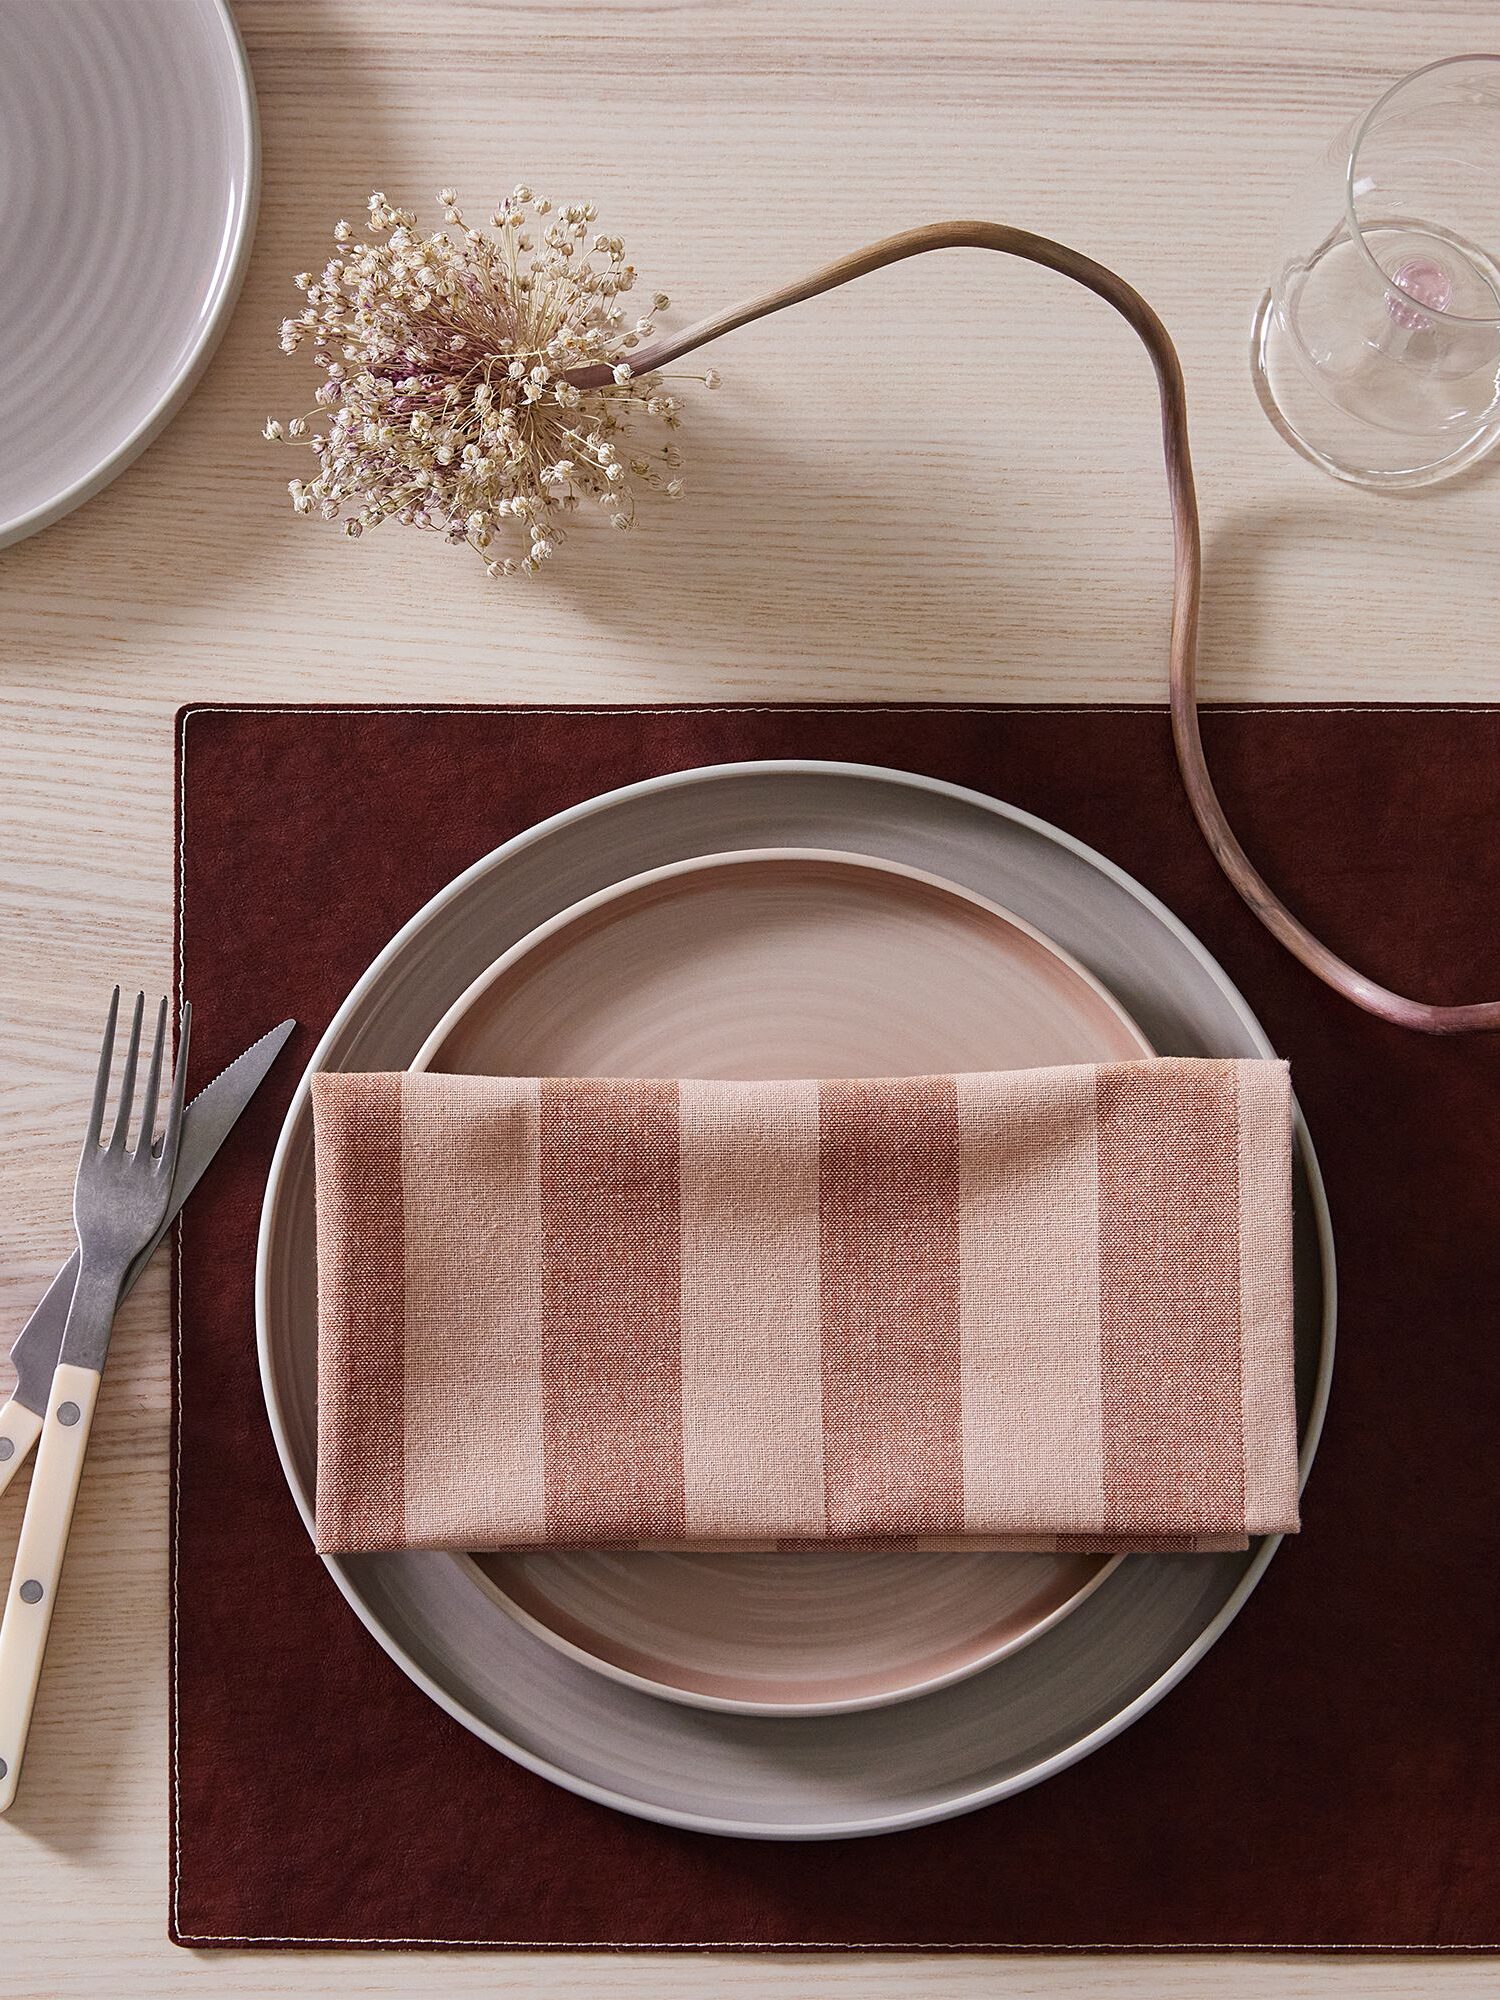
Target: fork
pixel 119 1203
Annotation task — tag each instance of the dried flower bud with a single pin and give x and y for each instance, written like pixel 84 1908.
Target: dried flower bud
pixel 445 360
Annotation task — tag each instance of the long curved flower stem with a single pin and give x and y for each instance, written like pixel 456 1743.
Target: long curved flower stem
pixel 1187 574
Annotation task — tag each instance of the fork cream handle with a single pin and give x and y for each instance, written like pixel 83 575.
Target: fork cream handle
pixel 19 1429
pixel 39 1560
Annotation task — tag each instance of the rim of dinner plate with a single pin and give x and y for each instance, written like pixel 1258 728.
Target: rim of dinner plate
pixel 1047 1767
pixel 226 290
pixel 579 912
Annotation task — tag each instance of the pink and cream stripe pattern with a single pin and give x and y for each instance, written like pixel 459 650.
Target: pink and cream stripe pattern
pixel 1030 1309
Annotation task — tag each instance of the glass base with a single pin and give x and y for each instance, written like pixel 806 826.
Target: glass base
pixel 1343 446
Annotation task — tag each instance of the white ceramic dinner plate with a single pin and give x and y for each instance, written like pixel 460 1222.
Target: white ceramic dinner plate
pixel 799 1778
pixel 128 161
pixel 783 963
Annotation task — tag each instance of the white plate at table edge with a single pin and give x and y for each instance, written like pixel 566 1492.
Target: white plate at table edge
pixel 1048 1763
pixel 228 279
pixel 618 893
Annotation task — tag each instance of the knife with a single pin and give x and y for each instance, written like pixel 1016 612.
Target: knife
pixel 206 1125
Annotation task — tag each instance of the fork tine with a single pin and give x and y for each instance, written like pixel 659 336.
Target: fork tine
pixel 168 1161
pixel 147 1136
pixel 101 1082
pixel 127 1077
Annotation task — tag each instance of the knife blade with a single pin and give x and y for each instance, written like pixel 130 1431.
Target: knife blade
pixel 206 1125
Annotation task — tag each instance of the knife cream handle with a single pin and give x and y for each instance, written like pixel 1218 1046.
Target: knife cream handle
pixel 39 1560
pixel 19 1430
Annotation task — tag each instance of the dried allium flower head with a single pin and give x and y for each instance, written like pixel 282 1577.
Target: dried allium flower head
pixel 446 402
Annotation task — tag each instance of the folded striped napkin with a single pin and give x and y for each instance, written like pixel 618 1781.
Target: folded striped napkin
pixel 1040 1309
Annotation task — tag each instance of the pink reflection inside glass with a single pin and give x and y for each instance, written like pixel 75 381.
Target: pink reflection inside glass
pixel 1421 282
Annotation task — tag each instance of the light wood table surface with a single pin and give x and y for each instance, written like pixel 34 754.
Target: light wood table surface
pixel 942 484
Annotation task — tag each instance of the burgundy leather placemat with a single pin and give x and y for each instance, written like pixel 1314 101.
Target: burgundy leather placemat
pixel 1328 1777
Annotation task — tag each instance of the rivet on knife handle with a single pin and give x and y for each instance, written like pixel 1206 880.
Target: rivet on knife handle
pixel 19 1430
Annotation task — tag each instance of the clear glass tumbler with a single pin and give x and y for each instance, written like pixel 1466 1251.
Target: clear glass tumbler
pixel 1377 348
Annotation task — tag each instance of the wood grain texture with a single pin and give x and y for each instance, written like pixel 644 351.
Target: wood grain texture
pixel 942 483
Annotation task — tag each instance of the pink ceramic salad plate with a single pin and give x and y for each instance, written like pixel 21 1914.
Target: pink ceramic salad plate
pixel 773 963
